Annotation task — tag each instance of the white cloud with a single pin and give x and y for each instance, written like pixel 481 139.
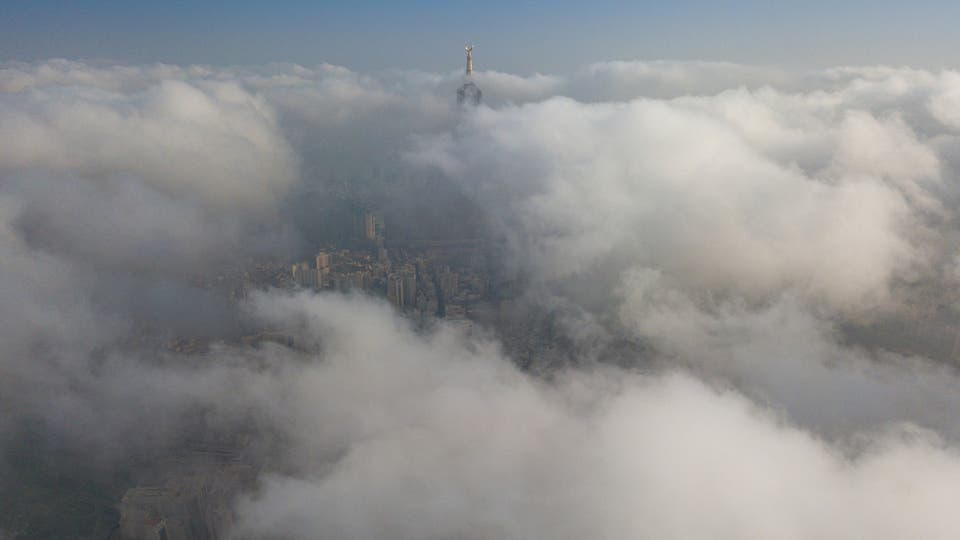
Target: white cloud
pixel 676 188
pixel 434 437
pixel 729 219
pixel 209 141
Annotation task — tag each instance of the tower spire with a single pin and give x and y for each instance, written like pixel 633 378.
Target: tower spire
pixel 469 93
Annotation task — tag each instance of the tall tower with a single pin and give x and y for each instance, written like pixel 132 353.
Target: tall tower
pixel 469 93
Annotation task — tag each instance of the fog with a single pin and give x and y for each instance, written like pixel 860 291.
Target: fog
pixel 440 437
pixel 755 233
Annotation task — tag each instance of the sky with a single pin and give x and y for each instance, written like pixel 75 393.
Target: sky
pixel 732 285
pixel 517 37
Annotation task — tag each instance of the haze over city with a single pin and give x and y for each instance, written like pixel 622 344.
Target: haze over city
pixel 486 270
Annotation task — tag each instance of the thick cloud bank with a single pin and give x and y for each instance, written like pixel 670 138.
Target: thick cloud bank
pixel 438 438
pixel 673 187
pixel 778 249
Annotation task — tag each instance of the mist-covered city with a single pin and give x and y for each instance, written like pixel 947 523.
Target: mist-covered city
pixel 587 293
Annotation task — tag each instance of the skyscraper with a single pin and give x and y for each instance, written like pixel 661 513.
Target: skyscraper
pixel 469 93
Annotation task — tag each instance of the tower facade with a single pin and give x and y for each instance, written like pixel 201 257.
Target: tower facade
pixel 469 93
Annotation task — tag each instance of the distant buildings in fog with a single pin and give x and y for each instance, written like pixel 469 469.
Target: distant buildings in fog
pixel 374 228
pixel 306 276
pixel 415 284
pixel 342 270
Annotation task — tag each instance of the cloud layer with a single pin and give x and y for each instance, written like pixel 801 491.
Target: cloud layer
pixel 754 232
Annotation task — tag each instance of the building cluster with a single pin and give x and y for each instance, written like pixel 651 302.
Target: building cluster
pixel 236 280
pixel 422 284
pixel 341 270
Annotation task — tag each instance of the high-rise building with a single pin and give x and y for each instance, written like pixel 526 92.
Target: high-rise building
pixel 449 281
pixel 409 286
pixel 324 260
pixel 373 227
pixel 395 290
pixel 324 265
pixel 356 280
pixel 305 276
pixel 469 93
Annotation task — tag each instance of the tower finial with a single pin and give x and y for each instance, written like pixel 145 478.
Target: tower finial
pixel 469 49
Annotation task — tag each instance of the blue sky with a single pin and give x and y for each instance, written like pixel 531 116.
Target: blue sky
pixel 520 36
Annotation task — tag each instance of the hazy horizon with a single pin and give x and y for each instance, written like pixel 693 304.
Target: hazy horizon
pixel 523 37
